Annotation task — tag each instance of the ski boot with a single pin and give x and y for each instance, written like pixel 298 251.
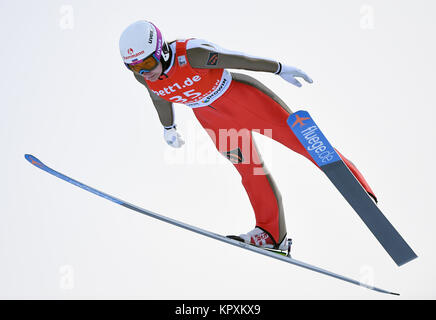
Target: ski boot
pixel 259 238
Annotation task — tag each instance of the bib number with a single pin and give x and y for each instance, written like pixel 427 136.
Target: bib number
pixel 190 94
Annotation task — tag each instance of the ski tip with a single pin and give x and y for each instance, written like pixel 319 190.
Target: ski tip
pixel 33 160
pixel 394 293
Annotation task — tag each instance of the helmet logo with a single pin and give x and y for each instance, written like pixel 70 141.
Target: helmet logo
pixel 150 37
pixel 130 51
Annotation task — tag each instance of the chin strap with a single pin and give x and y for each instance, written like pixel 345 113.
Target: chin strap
pixel 166 63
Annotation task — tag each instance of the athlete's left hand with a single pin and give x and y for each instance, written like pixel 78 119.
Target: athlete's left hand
pixel 290 73
pixel 172 137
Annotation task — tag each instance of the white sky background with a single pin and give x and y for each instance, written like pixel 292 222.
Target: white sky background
pixel 67 98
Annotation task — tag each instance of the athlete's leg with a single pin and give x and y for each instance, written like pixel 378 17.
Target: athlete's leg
pixel 265 110
pixel 237 145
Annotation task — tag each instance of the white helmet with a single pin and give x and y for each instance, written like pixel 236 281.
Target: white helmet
pixel 141 40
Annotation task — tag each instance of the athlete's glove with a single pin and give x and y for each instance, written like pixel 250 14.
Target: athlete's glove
pixel 289 73
pixel 172 137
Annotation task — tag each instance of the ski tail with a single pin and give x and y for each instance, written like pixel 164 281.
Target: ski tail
pixel 326 157
pixel 359 176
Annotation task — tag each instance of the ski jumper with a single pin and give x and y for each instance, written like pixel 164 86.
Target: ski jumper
pixel 230 106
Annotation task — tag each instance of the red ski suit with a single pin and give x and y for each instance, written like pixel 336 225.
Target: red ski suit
pixel 229 121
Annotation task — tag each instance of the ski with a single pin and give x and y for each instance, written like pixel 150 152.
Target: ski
pixel 197 230
pixel 337 171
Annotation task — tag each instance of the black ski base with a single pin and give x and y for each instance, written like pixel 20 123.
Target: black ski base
pixel 378 224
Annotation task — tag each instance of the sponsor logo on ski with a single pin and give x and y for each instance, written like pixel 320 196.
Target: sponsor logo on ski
pixel 36 163
pixel 316 145
pixel 312 138
pixel 299 120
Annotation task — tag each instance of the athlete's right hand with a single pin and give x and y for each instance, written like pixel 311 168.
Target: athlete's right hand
pixel 290 73
pixel 172 137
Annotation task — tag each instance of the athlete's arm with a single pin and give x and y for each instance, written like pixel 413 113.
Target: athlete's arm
pixel 163 107
pixel 166 116
pixel 206 55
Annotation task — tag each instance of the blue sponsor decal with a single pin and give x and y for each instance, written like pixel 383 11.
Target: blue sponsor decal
pixel 312 139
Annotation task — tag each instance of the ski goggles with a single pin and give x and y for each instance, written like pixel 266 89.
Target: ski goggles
pixel 144 65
